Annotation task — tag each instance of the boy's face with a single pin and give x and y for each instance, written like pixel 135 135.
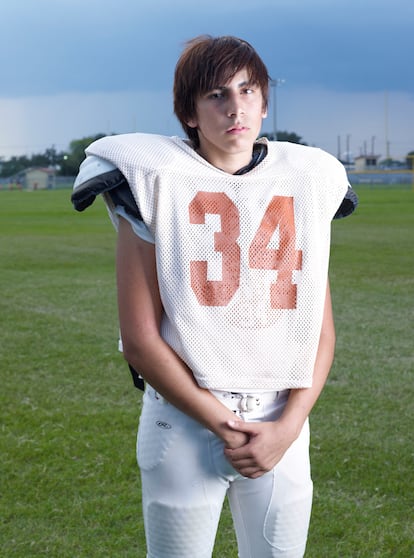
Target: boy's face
pixel 228 120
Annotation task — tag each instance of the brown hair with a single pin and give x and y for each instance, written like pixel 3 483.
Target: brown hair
pixel 207 62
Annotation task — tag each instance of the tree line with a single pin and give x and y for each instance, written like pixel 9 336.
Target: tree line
pixel 67 162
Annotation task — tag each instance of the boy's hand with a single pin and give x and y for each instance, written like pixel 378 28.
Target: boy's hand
pixel 266 444
pixel 233 438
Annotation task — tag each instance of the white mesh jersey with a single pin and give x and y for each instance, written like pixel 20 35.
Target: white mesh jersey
pixel 242 260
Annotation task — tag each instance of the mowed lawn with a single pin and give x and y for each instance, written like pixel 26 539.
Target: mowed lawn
pixel 69 480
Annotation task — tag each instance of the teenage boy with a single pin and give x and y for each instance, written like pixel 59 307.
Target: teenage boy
pixel 224 305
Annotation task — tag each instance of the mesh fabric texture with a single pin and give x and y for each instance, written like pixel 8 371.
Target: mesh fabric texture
pixel 242 260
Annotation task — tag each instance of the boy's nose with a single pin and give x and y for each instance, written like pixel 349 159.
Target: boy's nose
pixel 235 106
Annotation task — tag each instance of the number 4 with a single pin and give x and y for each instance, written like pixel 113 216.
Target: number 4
pixel 285 259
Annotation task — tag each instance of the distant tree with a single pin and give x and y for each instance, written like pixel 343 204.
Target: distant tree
pixel 66 163
pixel 285 136
pixel 410 160
pixel 14 165
pixel 49 158
pixel 69 162
pixel 390 163
pixel 38 160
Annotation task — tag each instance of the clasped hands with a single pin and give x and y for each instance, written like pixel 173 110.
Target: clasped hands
pixel 256 447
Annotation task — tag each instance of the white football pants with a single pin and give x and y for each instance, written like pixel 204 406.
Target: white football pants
pixel 185 478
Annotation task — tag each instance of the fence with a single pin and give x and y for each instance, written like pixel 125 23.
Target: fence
pixel 57 183
pixel 382 177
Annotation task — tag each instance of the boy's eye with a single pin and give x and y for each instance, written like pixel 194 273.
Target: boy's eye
pixel 248 90
pixel 216 95
pixel 221 93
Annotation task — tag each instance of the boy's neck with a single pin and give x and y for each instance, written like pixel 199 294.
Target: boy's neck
pixel 232 166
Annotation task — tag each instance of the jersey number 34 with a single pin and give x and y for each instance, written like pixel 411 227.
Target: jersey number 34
pixel 285 258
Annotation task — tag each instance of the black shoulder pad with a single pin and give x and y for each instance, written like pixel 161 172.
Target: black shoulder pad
pixel 85 194
pixel 122 195
pixel 348 204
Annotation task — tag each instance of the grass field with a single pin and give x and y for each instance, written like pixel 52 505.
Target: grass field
pixel 69 482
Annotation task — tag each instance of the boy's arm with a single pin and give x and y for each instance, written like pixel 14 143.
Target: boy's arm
pixel 270 440
pixel 301 401
pixel 140 313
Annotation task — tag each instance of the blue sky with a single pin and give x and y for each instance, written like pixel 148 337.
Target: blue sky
pixel 73 68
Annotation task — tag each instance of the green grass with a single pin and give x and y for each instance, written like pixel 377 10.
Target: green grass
pixel 69 481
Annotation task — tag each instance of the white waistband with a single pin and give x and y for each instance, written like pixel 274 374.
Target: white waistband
pixel 237 402
pixel 248 402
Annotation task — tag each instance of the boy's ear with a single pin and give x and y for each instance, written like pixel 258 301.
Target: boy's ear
pixel 192 123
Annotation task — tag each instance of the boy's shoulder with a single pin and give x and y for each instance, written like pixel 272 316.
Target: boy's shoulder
pixel 147 151
pixel 301 156
pixel 131 141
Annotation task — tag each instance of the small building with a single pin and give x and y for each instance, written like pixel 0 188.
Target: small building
pixel 33 178
pixel 366 162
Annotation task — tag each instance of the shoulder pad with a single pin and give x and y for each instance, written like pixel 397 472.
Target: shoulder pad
pixel 96 176
pixel 348 204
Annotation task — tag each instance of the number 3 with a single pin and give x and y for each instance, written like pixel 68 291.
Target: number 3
pixel 285 259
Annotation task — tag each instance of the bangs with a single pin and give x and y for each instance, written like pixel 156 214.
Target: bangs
pixel 227 57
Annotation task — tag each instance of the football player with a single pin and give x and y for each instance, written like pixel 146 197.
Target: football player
pixel 224 305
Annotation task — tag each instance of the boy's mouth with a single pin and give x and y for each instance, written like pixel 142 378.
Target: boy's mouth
pixel 236 129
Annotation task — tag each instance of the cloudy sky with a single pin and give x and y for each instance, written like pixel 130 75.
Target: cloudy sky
pixel 74 68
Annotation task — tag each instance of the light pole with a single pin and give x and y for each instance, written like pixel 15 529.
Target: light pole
pixel 274 83
pixel 387 143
